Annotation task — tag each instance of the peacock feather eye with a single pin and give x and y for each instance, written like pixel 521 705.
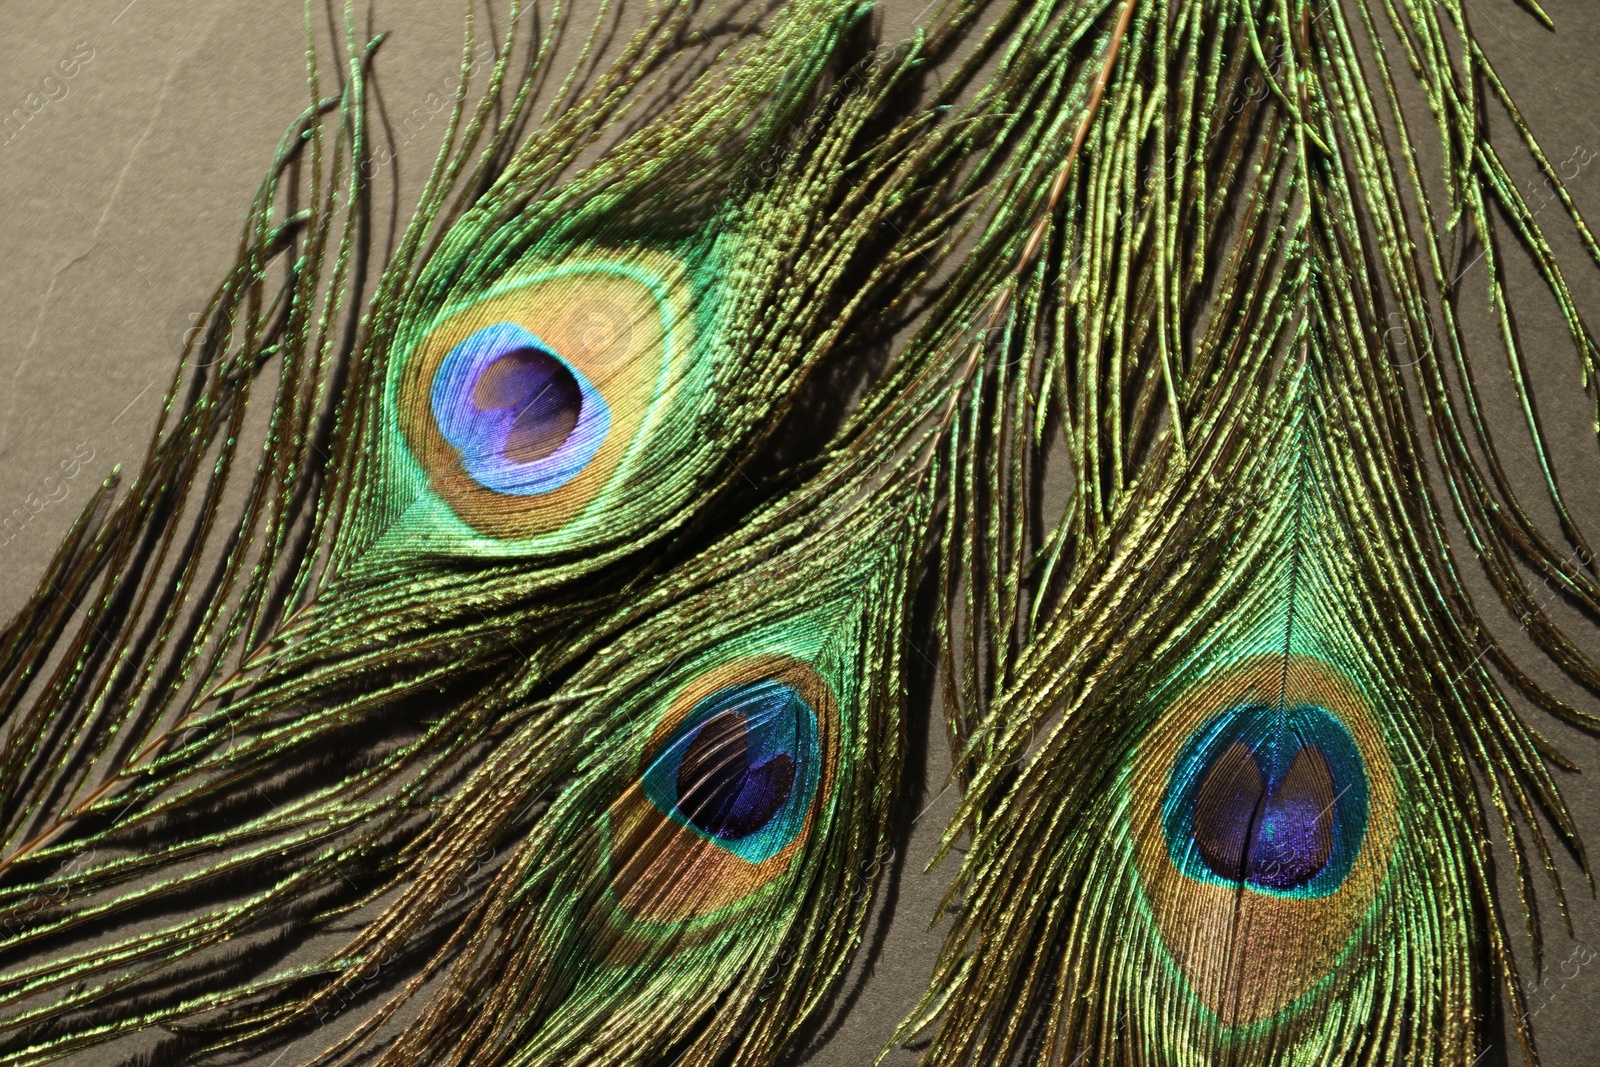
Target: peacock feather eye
pixel 522 419
pixel 1270 797
pixel 726 791
pixel 740 771
pixel 1266 806
pixel 525 407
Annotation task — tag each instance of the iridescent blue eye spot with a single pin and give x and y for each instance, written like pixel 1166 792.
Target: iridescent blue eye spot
pixel 720 791
pixel 1272 798
pixel 741 769
pixel 524 420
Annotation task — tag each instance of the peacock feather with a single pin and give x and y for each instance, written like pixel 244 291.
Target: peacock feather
pixel 1233 735
pixel 693 892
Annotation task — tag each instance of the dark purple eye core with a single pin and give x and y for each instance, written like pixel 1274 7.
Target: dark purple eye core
pixel 543 394
pixel 1278 837
pixel 719 792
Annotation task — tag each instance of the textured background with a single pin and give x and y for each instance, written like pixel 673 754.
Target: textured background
pixel 120 202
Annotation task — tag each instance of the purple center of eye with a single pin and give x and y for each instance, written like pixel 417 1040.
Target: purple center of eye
pixel 719 792
pixel 541 391
pixel 1279 837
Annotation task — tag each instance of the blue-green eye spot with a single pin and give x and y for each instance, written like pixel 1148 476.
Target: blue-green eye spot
pixel 523 420
pixel 741 769
pixel 1273 798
